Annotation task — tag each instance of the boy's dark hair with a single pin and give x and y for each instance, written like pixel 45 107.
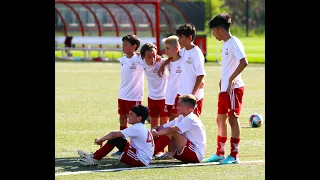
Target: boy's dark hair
pixel 221 20
pixel 189 100
pixel 187 30
pixel 147 47
pixel 132 39
pixel 141 110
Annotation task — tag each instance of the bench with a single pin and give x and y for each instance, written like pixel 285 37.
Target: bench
pixel 70 42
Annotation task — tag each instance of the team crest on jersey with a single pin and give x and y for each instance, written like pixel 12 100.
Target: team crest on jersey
pixel 155 70
pixel 226 53
pixel 178 69
pixel 189 61
pixel 133 66
pixel 165 110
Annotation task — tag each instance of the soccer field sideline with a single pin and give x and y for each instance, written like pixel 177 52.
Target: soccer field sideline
pixel 151 167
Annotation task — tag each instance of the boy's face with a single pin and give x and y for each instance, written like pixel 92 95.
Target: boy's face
pixel 171 50
pixel 216 32
pixel 183 40
pixel 181 108
pixel 133 118
pixel 127 47
pixel 150 56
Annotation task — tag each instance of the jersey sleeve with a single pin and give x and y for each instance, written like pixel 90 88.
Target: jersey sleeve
pixel 198 61
pixel 238 51
pixel 131 131
pixel 171 123
pixel 185 125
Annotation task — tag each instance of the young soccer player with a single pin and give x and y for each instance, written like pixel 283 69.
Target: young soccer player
pixel 192 66
pixel 156 85
pixel 132 80
pixel 186 132
pixel 172 48
pixel 231 89
pixel 137 152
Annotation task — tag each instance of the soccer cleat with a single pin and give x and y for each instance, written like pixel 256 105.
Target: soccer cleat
pixel 164 156
pixel 214 158
pixel 88 161
pixel 230 160
pixel 84 154
pixel 118 153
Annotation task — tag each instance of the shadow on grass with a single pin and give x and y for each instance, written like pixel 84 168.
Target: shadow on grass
pixel 71 164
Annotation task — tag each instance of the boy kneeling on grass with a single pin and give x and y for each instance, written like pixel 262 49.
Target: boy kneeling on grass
pixel 137 152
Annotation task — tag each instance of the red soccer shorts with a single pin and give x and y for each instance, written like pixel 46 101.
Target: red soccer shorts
pixel 125 106
pixel 157 108
pixel 230 103
pixel 188 154
pixel 129 157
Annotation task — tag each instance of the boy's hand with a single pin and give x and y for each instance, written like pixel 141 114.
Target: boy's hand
pixel 154 133
pixel 158 58
pixel 201 85
pixel 97 142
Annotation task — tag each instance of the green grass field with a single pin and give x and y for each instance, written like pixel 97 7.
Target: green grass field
pixel 254 48
pixel 86 108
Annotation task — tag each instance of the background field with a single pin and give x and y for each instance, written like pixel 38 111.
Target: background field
pixel 254 48
pixel 86 108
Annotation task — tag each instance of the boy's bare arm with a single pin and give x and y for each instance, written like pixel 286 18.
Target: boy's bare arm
pixel 161 69
pixel 197 84
pixel 243 63
pixel 165 131
pixel 111 135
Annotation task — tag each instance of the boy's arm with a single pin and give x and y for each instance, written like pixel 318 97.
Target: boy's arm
pixel 165 131
pixel 111 135
pixel 243 63
pixel 161 69
pixel 197 84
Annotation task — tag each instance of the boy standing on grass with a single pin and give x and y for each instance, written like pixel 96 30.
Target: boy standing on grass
pixel 231 89
pixel 192 66
pixel 132 80
pixel 156 85
pixel 172 48
pixel 137 152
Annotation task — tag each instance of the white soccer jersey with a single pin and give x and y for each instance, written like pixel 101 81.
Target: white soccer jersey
pixel 132 80
pixel 192 65
pixel 156 85
pixel 173 81
pixel 232 52
pixel 142 140
pixel 192 128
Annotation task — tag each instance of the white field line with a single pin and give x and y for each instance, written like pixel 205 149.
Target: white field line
pixel 150 167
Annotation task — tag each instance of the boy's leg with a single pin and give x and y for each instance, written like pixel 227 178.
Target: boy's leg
pixel 223 104
pixel 119 142
pixel 198 109
pixel 235 106
pixel 122 114
pixel 185 149
pixel 160 143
